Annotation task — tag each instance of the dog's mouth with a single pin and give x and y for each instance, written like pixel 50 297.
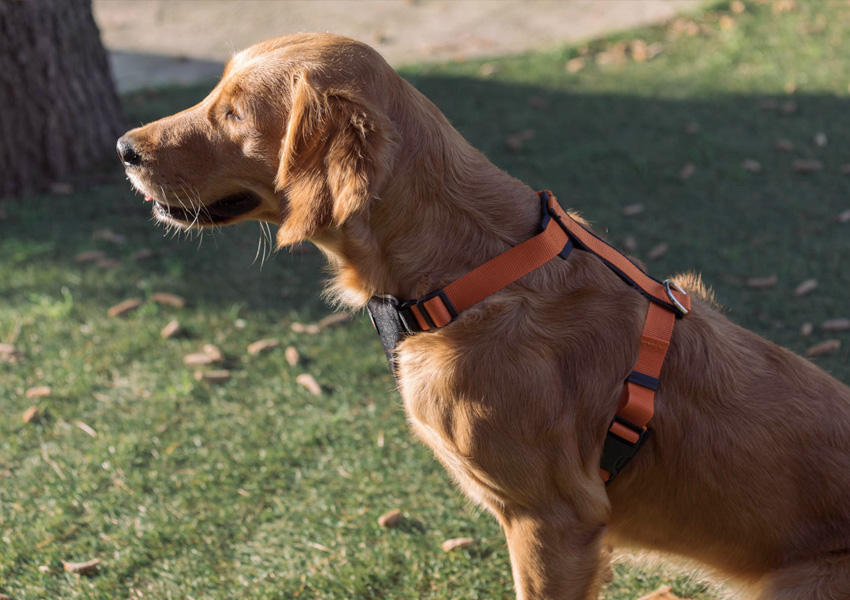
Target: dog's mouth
pixel 219 212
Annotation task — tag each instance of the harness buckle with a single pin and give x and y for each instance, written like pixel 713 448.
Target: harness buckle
pixel 675 286
pixel 408 317
pixel 617 452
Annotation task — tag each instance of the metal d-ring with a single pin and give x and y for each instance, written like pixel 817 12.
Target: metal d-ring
pixel 667 285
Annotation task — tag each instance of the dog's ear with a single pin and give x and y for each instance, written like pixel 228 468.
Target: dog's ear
pixel 335 155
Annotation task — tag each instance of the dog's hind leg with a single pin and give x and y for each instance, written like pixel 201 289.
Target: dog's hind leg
pixel 553 555
pixel 826 578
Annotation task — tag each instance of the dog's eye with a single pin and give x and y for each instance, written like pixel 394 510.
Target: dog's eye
pixel 233 115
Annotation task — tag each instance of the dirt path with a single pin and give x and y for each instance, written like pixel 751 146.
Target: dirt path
pixel 162 41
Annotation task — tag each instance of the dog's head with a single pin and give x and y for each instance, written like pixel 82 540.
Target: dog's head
pixel 296 133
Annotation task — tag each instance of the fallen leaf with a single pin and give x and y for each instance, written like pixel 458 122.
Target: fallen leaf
pixel 292 356
pixel 574 65
pixel 302 328
pixel 122 308
pixel 82 568
pixel 753 166
pixel 5 597
pixel 806 166
pixel 760 283
pixel 213 352
pixel 692 128
pixel 806 329
pixel 538 103
pixel 456 543
pixel 782 6
pixel 488 69
pixel 726 22
pixel 784 145
pixel 219 376
pixel 9 354
pixel 737 7
pixel 658 251
pixel 83 427
pixel 824 348
pixel 89 256
pixel 836 325
pixel 390 519
pixel 31 414
pixel 168 299
pixel 44 568
pixel 262 346
pixel 198 358
pixel 632 210
pixel 820 139
pixel 170 330
pixel 108 263
pixel 309 382
pixel 41 391
pixel 807 286
pixel 790 87
pixel 687 171
pixel 333 320
pixel 515 141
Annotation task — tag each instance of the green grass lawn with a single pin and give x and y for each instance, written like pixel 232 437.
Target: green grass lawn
pixel 254 488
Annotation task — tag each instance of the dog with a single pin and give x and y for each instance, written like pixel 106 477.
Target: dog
pixel 747 469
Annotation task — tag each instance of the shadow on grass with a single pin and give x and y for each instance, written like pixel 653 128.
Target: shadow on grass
pixel 598 153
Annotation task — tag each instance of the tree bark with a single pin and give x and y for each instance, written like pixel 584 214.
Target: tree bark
pixel 59 111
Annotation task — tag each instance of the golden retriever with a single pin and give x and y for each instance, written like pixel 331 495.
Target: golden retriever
pixel 748 467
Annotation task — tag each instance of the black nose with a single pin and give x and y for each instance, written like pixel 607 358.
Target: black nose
pixel 128 153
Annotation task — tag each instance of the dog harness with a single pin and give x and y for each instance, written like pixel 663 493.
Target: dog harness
pixel 627 432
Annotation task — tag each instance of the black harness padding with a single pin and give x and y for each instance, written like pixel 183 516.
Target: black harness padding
pixel 383 310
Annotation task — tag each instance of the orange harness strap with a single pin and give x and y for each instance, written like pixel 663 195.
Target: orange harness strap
pixel 628 429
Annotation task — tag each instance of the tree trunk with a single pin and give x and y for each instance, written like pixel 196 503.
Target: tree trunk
pixel 59 112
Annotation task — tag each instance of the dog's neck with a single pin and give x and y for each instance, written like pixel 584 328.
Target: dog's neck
pixel 445 210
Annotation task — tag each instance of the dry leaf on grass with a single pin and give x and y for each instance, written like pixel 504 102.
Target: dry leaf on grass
pixel 89 256
pixel 292 356
pixel 5 597
pixel 83 427
pixel 213 352
pixel 753 166
pixel 807 166
pixel 824 348
pixel 31 414
pixel 761 283
pixel 806 329
pixel 658 251
pixel 515 141
pixel 574 65
pixel 302 328
pixel 781 6
pixel 456 543
pixel 82 568
pixel 836 325
pixel 9 354
pixel 737 6
pixel 726 22
pixel 334 320
pixel 390 519
pixel 41 391
pixel 807 286
pixel 309 382
pixel 168 299
pixel 262 346
pixel 687 171
pixel 198 358
pixel 170 330
pixel 125 307
pixel 213 376
pixel 633 209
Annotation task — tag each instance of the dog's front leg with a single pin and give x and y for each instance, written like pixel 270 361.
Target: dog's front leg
pixel 554 556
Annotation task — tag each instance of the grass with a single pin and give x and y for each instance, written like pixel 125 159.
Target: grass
pixel 256 489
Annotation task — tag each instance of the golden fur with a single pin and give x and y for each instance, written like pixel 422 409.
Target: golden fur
pixel 748 467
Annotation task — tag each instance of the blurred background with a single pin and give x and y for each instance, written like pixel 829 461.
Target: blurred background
pixel 182 416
